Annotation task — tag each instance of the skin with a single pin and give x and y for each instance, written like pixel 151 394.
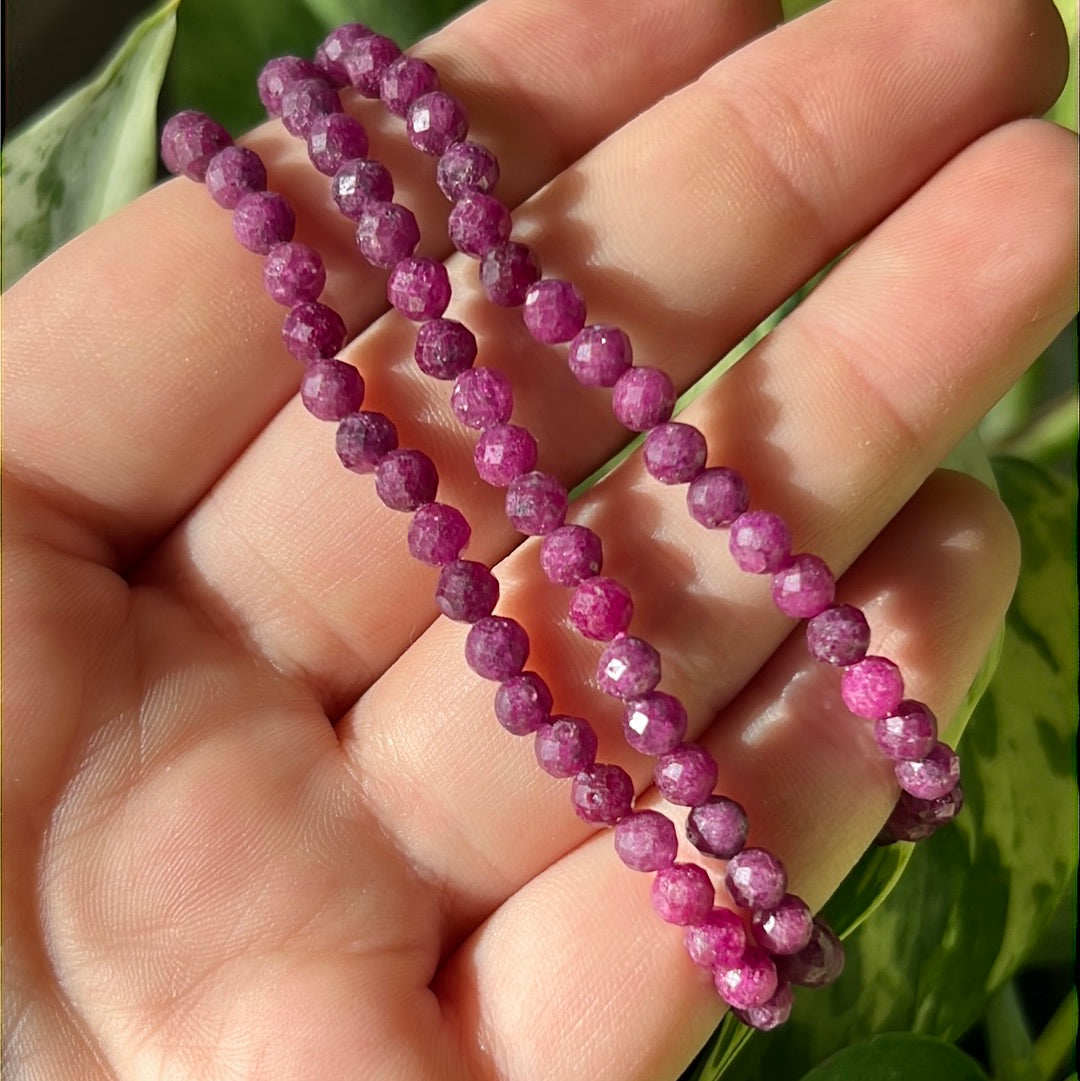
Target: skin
pixel 259 821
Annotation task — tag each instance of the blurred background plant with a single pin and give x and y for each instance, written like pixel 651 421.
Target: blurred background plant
pixel 960 954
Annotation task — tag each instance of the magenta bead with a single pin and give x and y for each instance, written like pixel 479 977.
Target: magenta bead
pixel 642 398
pixel 536 503
pixel 334 139
pixel 189 140
pixel 503 452
pixel 628 668
pixel 599 354
pixel 908 733
pixel 523 703
pixel 466 167
pixel 600 608
pixel 435 122
pixel 365 60
pixel 359 182
pixel 818 963
pixel 770 1014
pixel 716 941
pixel 655 723
pixel 682 894
pixel 406 479
pixel 750 982
pixel 277 75
pixel 478 223
pixel 571 554
pixel 840 635
pixel 444 348
pixel 437 534
pixel 419 288
pixel 718 827
pixel 716 497
pixel 329 54
pixel 785 929
pixel 646 841
pixel 602 794
pixel 760 542
pixel 931 777
pixel 232 173
pixel 804 588
pixel 467 591
pixel 496 647
pixel 482 397
pixel 293 273
pixel 303 102
pixel 507 271
pixel 756 879
pixel 313 331
pixel 386 233
pixel 262 219
pixel 914 819
pixel 363 440
pixel 674 453
pixel 565 746
pixel 404 80
pixel 331 389
pixel 554 310
pixel 685 775
pixel 872 687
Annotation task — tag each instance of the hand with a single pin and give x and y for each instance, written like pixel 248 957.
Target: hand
pixel 205 877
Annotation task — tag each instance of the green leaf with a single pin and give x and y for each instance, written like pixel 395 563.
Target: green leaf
pixel 1063 111
pixel 89 154
pixel 899 1057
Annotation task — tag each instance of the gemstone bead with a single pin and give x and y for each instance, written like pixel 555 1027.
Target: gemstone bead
pixel 771 1014
pixel 189 140
pixel 674 453
pixel 262 219
pixel 536 503
pixel 599 354
pixel 642 398
pixel 818 963
pixel 840 635
pixel 507 271
pixel 686 774
pixel 404 80
pixel 467 591
pixel 570 554
pixel 503 452
pixel 293 273
pixel 908 733
pixel 785 929
pixel 804 588
pixel 931 777
pixel 280 73
pixel 602 794
pixel 444 348
pixel 364 439
pixel 872 687
pixel 406 479
pixel 646 841
pixel 478 223
pixel 496 647
pixel 333 139
pixel 331 389
pixel 437 534
pixel 313 331
pixel 760 542
pixel 914 819
pixel 716 497
pixel 565 746
pixel 482 397
pixel 331 51
pixel 233 172
pixel 386 233
pixel 365 60
pixel 750 982
pixel 554 310
pixel 682 894
pixel 654 723
pixel 717 827
pixel 436 121
pixel 629 667
pixel 523 703
pixel 756 879
pixel 716 941
pixel 304 101
pixel 359 182
pixel 600 608
pixel 466 167
pixel 419 288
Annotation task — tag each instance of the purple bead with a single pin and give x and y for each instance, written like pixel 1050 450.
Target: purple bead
pixel 646 841
pixel 785 929
pixel 333 139
pixel 313 331
pixel 437 534
pixel 364 439
pixel 599 354
pixel 554 310
pixel 717 497
pixel 359 182
pixel 482 397
pixel 406 479
pixel 602 794
pixel 331 389
pixel 293 273
pixel 419 288
pixel 908 733
pixel 261 220
pixel 629 667
pixel 404 80
pixel 523 703
pixel 931 777
pixel 386 233
pixel 329 54
pixel 503 452
pixel 232 173
pixel 600 608
pixel 716 941
pixel 467 591
pixel 804 588
pixel 496 647
pixel 365 60
pixel 565 746
pixel 682 894
pixel 444 348
pixel 686 774
pixel 466 167
pixel 872 687
pixel 756 879
pixel 280 73
pixel 840 635
pixel 571 554
pixel 760 542
pixel 818 963
pixel 750 982
pixel 304 102
pixel 536 503
pixel 674 453
pixel 507 271
pixel 717 827
pixel 654 723
pixel 642 398
pixel 477 223
pixel 771 1014
pixel 435 122
pixel 189 140
pixel 914 819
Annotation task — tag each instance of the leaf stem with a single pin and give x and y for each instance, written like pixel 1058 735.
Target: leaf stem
pixel 1057 1039
pixel 1008 1038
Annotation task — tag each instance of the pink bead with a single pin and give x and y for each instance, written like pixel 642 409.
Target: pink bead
pixel 685 775
pixel 293 273
pixel 496 647
pixel 554 310
pixel 818 963
pixel 628 668
pixel 682 894
pixel 482 397
pixel 908 733
pixel 914 819
pixel 419 288
pixel 365 60
pixel 406 479
pixel 785 929
pixel 760 542
pixel 599 354
pixel 571 554
pixel 261 220
pixel 642 398
pixel 363 440
pixel 313 331
pixel 756 879
pixel 872 687
pixel 478 223
pixel 303 102
pixel 674 453
pixel 277 75
pixel 717 497
pixel 503 452
pixel 840 635
pixel 600 608
pixel 331 389
pixel 523 703
pixel 750 982
pixel 771 1014
pixel 536 503
pixel 655 723
pixel 386 233
pixel 404 80
pixel 466 591
pixel 565 746
pixel 232 173
pixel 718 827
pixel 602 794
pixel 359 182
pixel 804 588
pixel 716 941
pixel 189 140
pixel 333 139
pixel 437 534
pixel 646 841
pixel 329 54
pixel 435 122
pixel 444 348
pixel 507 271
pixel 467 167
pixel 931 777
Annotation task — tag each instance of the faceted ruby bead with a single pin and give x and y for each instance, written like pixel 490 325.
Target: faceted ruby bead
pixel 329 54
pixel 386 233
pixel 818 963
pixel 554 310
pixel 523 703
pixel 599 354
pixel 482 397
pixel 477 223
pixel 760 542
pixel 503 452
pixel 628 668
pixel 840 635
pixel 467 591
pixel 359 182
pixel 444 348
pixel 436 121
pixel 280 73
pixel 600 608
pixel 419 288
pixel 404 80
pixel 756 879
pixel 914 819
pixel 642 398
pixel 717 827
pixel 189 140
pixel 437 534
pixel 785 929
pixel 646 841
pixel 304 101
pixel 333 139
pixel 293 273
pixel 507 271
pixel 570 554
pixel 565 746
pixel 536 503
pixel 331 389
pixel 654 723
pixel 716 941
pixel 261 220
pixel 872 687
pixel 466 167
pixel 232 173
pixel 496 647
pixel 908 733
pixel 313 331
pixel 682 894
pixel 602 794
pixel 771 1014
pixel 365 60
pixel 804 588
pixel 748 983
pixel 674 453
pixel 931 777
pixel 364 439
pixel 406 479
pixel 685 775
pixel 716 497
